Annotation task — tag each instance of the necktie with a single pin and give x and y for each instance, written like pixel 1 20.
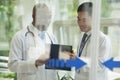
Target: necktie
pixel 42 36
pixel 82 44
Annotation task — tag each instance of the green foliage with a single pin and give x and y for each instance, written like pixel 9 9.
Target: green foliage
pixel 7 75
pixel 105 8
pixel 75 4
pixel 7 17
pixel 58 76
pixel 117 79
pixel 65 77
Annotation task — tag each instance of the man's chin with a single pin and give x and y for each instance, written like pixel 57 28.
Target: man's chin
pixel 83 30
pixel 41 27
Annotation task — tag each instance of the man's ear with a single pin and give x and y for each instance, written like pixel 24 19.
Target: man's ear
pixel 33 16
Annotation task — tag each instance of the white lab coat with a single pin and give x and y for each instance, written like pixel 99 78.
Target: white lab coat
pixel 104 54
pixel 21 63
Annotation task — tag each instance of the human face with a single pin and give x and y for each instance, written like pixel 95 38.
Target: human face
pixel 41 17
pixel 84 21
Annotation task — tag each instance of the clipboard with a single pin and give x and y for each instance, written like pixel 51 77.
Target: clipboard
pixel 59 53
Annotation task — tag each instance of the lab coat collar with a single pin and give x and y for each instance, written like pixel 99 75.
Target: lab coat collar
pixel 34 30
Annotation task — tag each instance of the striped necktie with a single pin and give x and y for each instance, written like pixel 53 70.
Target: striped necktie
pixel 82 44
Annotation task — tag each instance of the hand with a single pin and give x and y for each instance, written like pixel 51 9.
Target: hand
pixel 72 56
pixel 41 60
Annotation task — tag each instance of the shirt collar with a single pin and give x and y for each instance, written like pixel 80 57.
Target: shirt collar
pixel 88 33
pixel 34 29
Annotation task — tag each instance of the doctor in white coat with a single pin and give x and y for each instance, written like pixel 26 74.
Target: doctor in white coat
pixel 84 21
pixel 28 52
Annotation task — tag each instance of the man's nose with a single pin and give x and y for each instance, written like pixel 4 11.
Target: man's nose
pixel 81 23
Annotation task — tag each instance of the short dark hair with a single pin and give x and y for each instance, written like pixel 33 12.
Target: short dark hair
pixel 86 6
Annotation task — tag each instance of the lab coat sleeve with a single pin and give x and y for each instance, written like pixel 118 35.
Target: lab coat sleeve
pixel 104 52
pixel 15 63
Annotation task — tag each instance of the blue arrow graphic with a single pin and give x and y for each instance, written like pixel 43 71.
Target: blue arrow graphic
pixel 77 63
pixel 111 64
pixel 57 63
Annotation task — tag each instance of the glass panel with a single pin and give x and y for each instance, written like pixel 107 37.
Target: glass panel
pixel 17 14
pixel 110 26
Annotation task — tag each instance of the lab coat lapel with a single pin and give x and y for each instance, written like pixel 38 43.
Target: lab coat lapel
pixel 86 49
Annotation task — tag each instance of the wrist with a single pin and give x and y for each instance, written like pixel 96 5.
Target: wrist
pixel 36 63
pixel 39 62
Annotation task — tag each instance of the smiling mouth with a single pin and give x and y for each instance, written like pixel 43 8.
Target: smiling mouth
pixel 82 27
